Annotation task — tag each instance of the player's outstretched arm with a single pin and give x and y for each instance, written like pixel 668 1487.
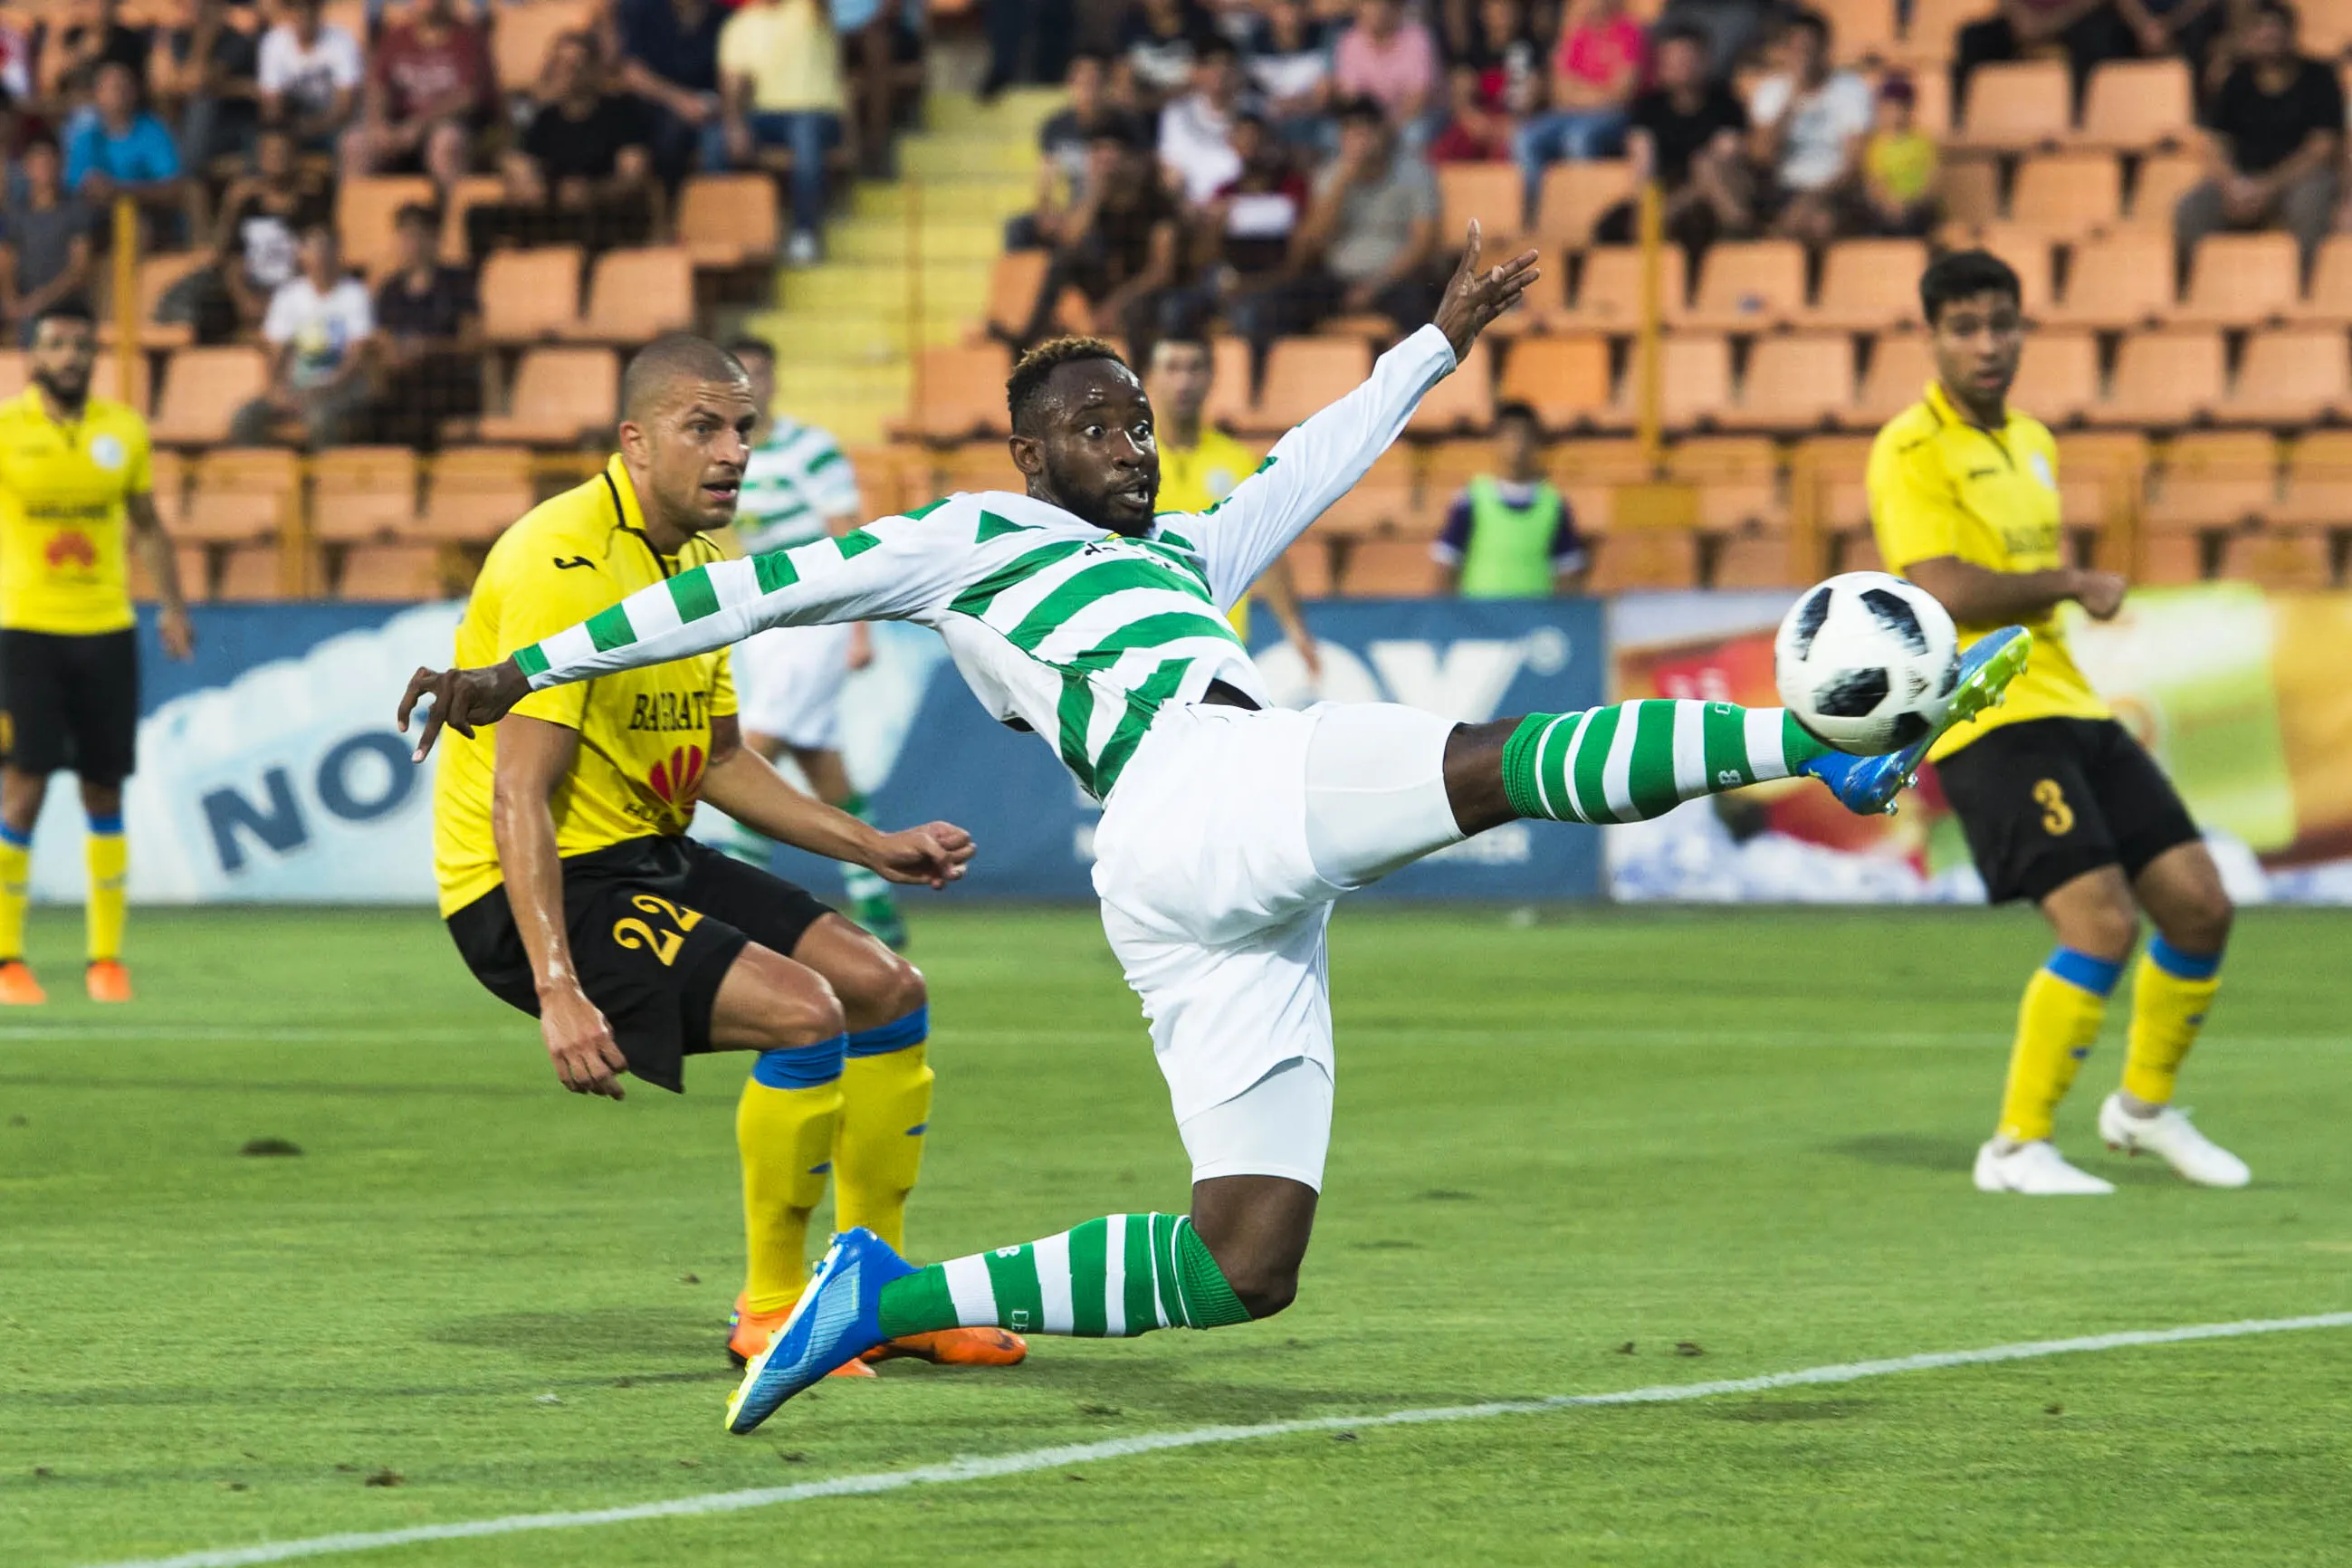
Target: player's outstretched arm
pixel 747 788
pixel 1322 458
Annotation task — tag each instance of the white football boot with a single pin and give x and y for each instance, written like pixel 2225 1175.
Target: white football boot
pixel 2036 1169
pixel 2172 1135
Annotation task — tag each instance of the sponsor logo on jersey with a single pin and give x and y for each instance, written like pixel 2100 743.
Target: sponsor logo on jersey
pixel 679 778
pixel 563 564
pixel 664 711
pixel 68 547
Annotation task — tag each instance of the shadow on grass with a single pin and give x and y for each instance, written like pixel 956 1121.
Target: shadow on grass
pixel 1911 1150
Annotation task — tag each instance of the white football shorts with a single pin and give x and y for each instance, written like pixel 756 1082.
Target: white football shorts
pixel 788 684
pixel 1219 853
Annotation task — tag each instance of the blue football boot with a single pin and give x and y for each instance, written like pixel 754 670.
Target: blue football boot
pixel 837 1318
pixel 1868 785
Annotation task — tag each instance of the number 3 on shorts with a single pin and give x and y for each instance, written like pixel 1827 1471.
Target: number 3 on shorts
pixel 633 933
pixel 2057 817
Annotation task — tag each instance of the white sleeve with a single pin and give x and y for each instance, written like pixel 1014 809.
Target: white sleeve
pixel 270 69
pixel 889 571
pixel 284 317
pixel 1314 466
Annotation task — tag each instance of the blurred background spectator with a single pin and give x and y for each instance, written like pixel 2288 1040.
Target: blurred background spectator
pixel 1120 246
pixel 1028 40
pixel 308 73
pixel 120 149
pixel 669 58
pixel 1369 240
pixel 215 74
pixel 1289 68
pixel 1496 81
pixel 1160 40
pixel 320 328
pixel 1510 535
pixel 1687 131
pixel 256 243
pixel 427 320
pixel 2089 32
pixel 1196 129
pixel 1809 123
pixel 431 90
pixel 584 172
pixel 782 86
pixel 1391 59
pixel 45 241
pixel 1899 163
pixel 1597 65
pixel 2273 154
pixel 1254 224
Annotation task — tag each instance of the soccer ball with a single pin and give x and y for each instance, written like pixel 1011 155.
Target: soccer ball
pixel 1866 662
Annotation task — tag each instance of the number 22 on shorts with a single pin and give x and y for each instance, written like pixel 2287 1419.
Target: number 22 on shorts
pixel 2057 817
pixel 634 934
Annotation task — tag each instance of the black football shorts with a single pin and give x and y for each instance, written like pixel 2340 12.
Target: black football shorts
pixel 70 702
pixel 2048 799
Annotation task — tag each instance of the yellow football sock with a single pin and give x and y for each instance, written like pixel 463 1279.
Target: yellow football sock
pixel 2065 1004
pixel 783 1130
pixel 16 889
pixel 2170 995
pixel 109 855
pixel 877 1150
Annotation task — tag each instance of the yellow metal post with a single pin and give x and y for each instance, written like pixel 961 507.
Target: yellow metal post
pixel 126 301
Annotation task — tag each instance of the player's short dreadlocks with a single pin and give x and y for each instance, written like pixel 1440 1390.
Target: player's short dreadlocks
pixel 1027 384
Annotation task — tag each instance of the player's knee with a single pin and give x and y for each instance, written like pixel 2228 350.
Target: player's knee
pixel 903 989
pixel 1264 1286
pixel 791 1006
pixel 2200 923
pixel 2104 927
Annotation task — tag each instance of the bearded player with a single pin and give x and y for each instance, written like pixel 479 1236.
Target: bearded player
pixel 1229 826
pixel 572 892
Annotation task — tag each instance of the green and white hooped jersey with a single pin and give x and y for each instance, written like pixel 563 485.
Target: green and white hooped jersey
pixel 1057 626
pixel 796 479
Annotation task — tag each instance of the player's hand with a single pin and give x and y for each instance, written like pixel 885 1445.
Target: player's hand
pixel 579 1044
pixel 179 633
pixel 461 699
pixel 930 855
pixel 2101 594
pixel 1474 299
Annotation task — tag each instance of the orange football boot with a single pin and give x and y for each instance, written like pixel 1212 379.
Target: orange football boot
pixel 17 986
pixel 957 1347
pixel 108 981
pixel 749 1333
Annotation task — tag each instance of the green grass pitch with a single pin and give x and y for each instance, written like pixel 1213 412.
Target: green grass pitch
pixel 1564 1151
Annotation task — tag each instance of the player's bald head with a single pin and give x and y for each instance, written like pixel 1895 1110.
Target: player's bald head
pixel 671 367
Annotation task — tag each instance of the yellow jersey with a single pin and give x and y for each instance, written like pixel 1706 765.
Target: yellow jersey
pixel 1194 479
pixel 63 534
pixel 1940 486
pixel 644 734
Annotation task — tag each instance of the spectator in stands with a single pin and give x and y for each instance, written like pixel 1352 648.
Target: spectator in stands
pixel 2091 32
pixel 1121 248
pixel 1511 536
pixel 1595 68
pixel 1730 28
pixel 1256 219
pixel 1289 68
pixel 1496 81
pixel 431 90
pixel 1807 127
pixel 780 70
pixel 216 75
pixel 669 58
pixel 1685 133
pixel 1160 39
pixel 1064 142
pixel 583 173
pixel 256 247
pixel 1898 165
pixel 100 39
pixel 1370 240
pixel 320 329
pixel 1028 40
pixel 45 241
pixel 122 149
pixel 1196 130
pixel 428 319
pixel 2276 132
pixel 2191 28
pixel 310 73
pixel 1391 60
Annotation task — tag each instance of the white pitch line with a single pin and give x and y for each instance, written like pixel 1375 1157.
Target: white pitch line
pixel 1032 1459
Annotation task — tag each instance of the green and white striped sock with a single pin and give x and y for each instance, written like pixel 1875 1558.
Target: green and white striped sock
pixel 1638 759
pixel 1110 1278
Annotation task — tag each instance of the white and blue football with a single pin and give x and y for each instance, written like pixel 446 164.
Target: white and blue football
pixel 1866 662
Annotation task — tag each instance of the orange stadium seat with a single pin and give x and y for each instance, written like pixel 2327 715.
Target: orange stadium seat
pixel 363 493
pixel 1490 193
pixel 730 220
pixel 2027 250
pixel 1932 107
pixel 1462 403
pixel 2138 106
pixel 195 564
pixel 1749 286
pixel 169 469
pixel 1864 29
pixel 1868 285
pixel 366 214
pixel 2018 104
pixel 1935 27
pixel 2122 280
pixel 562 396
pixel 251 573
pixel 520 43
pixel 2058 377
pixel 2330 296
pixel 975 466
pixel 2212 480
pixel 960 392
pixel 1798 382
pixel 2317 491
pixel 1389 569
pixel 1383 500
pixel 2286 560
pixel 1609 289
pixel 2242 279
pixel 1303 374
pixel 1564 379
pixel 1724 459
pixel 1574 198
pixel 1310 561
pixel 2068 195
pixel 1969 189
pixel 1014 279
pixel 1829 472
pixel 241 494
pixel 1756 560
pixel 1900 367
pixel 394 572
pixel 1694 371
pixel 203 390
pixel 474 492
pixel 156 274
pixel 472 190
pixel 530 296
pixel 1604 460
pixel 2167 377
pixel 2163 180
pixel 106 381
pixel 637 294
pixel 1229 383
pixel 1634 558
pixel 2324 31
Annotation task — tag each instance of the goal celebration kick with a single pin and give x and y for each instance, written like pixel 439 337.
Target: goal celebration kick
pixel 1230 827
